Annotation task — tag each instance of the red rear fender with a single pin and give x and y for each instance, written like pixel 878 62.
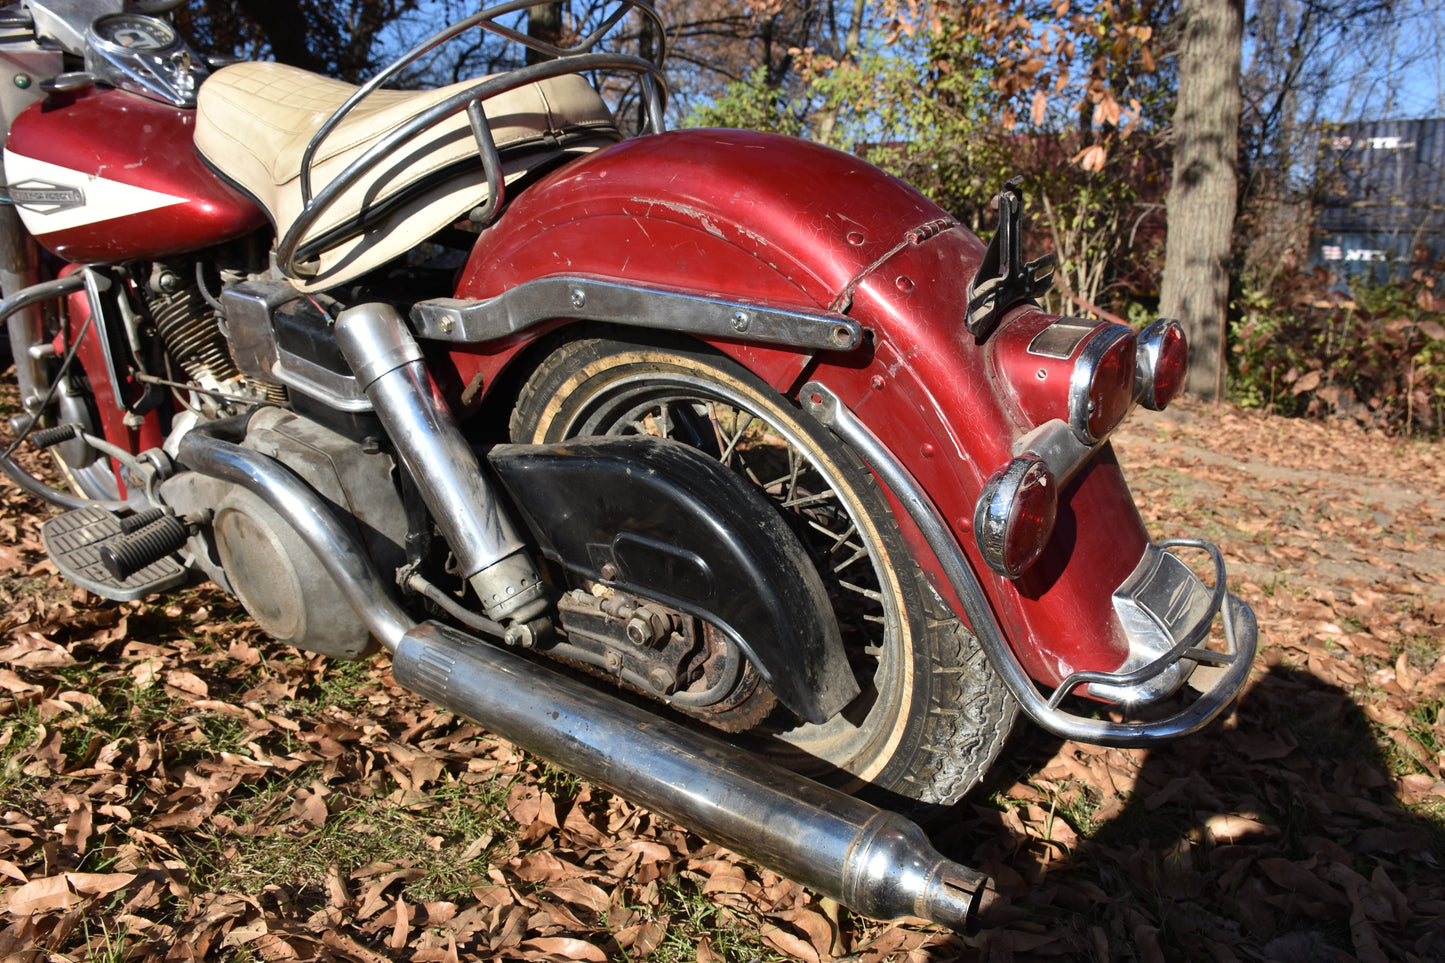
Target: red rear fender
pixel 763 219
pixel 721 211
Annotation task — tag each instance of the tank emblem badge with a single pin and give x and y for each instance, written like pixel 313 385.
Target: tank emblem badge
pixel 48 200
pixel 44 198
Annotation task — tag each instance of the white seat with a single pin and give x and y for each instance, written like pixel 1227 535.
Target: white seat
pixel 254 120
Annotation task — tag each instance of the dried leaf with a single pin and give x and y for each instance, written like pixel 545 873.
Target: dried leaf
pixel 563 948
pixel 40 896
pixel 796 948
pixel 1231 828
pixel 99 884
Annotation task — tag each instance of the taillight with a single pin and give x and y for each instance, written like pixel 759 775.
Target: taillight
pixel 1162 363
pixel 1102 387
pixel 1015 513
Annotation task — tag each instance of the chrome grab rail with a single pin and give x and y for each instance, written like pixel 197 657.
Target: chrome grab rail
pixel 569 60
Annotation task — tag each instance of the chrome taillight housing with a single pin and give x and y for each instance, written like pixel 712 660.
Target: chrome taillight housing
pixel 1015 515
pixel 1102 386
pixel 1079 371
pixel 1161 363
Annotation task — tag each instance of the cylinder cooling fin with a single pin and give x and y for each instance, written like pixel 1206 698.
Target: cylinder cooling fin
pixel 192 332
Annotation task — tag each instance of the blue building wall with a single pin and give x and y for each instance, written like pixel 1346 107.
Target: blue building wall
pixel 1384 206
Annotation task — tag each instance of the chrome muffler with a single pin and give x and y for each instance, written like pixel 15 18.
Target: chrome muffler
pixel 874 861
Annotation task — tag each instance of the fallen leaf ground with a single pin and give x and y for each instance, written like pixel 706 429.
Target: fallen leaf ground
pixel 174 787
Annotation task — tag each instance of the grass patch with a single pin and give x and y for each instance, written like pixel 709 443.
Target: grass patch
pixel 444 838
pixel 341 684
pixel 691 917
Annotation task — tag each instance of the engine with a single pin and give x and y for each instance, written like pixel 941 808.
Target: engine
pixel 252 552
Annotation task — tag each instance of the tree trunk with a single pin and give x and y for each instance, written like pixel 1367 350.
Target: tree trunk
pixel 544 23
pixel 847 54
pixel 285 29
pixel 1201 202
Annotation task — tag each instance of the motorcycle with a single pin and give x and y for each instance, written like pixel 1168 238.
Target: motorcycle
pixel 735 425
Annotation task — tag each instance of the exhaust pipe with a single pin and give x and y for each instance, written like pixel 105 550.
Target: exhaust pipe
pixel 873 861
pixel 389 367
pixel 870 860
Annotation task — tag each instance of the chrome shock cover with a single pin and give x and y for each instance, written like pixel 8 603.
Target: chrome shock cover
pixel 389 368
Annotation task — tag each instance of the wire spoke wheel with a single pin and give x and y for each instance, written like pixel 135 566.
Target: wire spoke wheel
pixel 931 715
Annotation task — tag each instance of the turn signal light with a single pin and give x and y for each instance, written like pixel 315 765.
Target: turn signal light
pixel 1162 362
pixel 1015 514
pixel 1102 387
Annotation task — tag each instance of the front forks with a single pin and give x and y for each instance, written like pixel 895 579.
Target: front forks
pixel 1151 597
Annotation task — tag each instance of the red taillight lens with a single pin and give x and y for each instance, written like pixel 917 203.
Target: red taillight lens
pixel 1163 363
pixel 1102 387
pixel 1015 515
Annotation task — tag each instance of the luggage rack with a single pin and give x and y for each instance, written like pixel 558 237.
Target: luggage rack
pixel 292 253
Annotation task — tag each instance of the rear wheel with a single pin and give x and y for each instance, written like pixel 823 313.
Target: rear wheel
pixel 932 714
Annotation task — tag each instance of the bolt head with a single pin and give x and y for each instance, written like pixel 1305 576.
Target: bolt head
pixel 519 634
pixel 741 322
pixel 639 631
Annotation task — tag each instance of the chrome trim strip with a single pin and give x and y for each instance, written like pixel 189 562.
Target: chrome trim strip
pixel 1241 631
pixel 592 299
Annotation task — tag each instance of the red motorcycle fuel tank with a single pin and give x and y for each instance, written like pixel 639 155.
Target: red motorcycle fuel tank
pixel 103 175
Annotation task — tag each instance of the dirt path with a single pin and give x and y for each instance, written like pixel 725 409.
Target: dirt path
pixel 1360 506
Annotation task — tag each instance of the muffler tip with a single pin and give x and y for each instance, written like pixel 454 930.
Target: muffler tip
pixel 893 871
pixel 956 897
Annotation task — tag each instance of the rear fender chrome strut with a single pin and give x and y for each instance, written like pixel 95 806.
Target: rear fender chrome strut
pixel 1241 631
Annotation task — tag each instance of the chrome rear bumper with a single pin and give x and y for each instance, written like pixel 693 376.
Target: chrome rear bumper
pixel 1166 611
pixel 1165 614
